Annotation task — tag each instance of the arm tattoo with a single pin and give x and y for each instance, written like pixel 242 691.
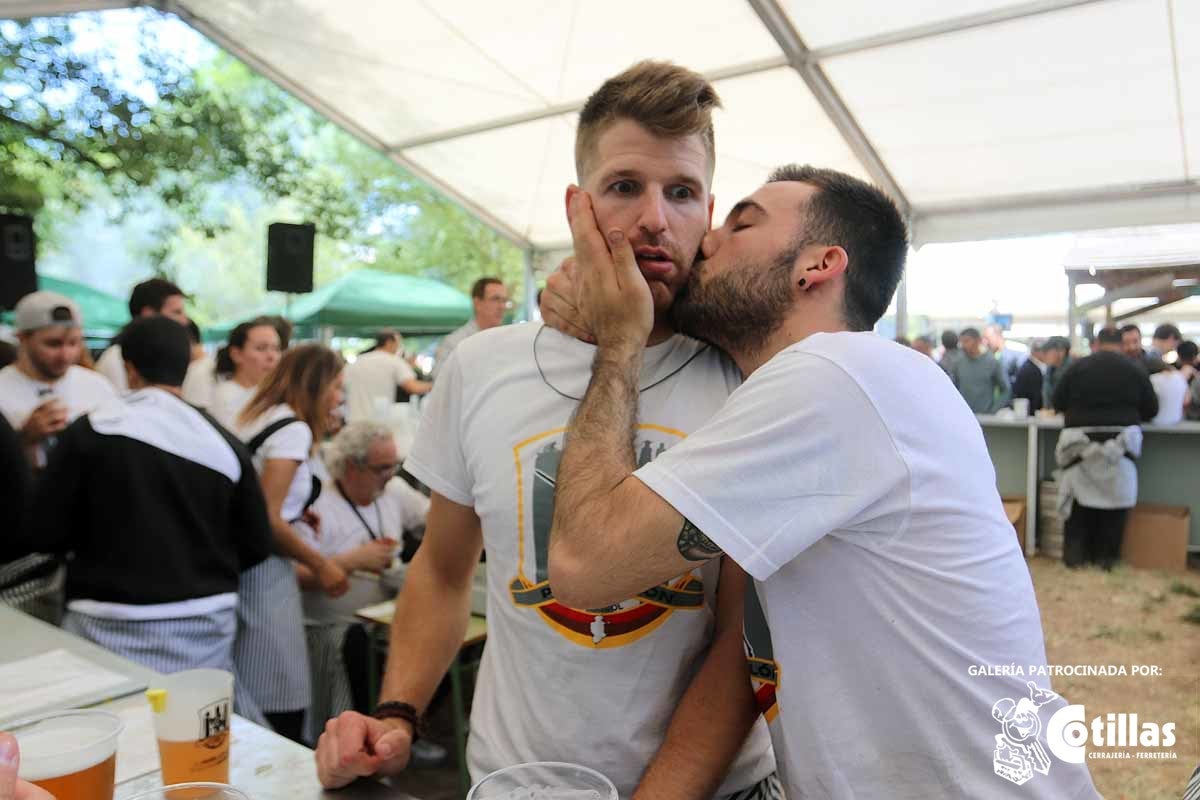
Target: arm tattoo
pixel 694 545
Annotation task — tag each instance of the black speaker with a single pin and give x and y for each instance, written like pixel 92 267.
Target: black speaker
pixel 290 257
pixel 17 249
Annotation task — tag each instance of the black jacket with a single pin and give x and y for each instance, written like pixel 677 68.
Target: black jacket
pixel 1105 388
pixel 1028 384
pixel 155 500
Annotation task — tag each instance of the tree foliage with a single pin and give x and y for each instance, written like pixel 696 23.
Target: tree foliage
pixel 210 151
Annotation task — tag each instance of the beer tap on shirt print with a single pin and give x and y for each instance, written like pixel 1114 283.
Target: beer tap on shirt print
pixel 537 460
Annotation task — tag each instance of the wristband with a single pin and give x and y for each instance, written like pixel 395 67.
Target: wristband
pixel 404 711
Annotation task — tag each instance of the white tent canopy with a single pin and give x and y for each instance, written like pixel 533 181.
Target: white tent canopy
pixel 983 118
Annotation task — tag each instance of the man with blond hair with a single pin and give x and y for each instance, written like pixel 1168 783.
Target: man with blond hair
pixel 652 690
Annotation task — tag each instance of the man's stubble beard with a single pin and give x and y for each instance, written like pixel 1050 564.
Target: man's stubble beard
pixel 42 368
pixel 740 309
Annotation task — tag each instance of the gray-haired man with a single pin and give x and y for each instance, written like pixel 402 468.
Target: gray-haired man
pixel 364 516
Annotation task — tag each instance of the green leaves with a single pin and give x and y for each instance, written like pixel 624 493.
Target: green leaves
pixel 211 152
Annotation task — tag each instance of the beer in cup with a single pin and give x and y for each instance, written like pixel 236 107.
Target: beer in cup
pixel 545 780
pixel 193 711
pixel 70 754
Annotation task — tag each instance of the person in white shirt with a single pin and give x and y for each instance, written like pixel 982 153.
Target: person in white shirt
pixel 149 298
pixel 201 380
pixel 847 477
pixel 372 380
pixel 490 300
pixel 44 391
pixel 651 689
pixel 1172 389
pixel 250 355
pixel 290 411
pixel 365 511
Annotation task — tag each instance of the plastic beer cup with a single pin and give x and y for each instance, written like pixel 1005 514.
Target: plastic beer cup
pixel 70 753
pixel 193 712
pixel 194 791
pixel 544 780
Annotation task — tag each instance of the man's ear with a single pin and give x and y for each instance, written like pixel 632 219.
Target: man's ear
pixel 818 264
pixel 572 190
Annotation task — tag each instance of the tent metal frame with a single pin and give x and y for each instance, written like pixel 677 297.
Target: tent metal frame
pixel 807 62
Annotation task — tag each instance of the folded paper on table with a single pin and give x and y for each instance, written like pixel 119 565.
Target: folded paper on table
pixel 54 680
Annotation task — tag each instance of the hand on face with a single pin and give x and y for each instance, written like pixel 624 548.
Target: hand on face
pixel 560 302
pixel 614 299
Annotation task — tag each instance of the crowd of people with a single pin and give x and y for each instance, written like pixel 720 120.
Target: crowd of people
pixel 707 404
pixel 206 523
pixel 992 375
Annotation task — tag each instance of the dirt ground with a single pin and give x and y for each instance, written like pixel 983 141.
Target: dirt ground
pixel 1128 617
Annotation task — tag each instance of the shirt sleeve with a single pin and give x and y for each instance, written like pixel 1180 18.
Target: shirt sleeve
pixel 291 442
pixel 111 366
pixel 797 453
pixel 404 373
pixel 437 458
pixel 199 383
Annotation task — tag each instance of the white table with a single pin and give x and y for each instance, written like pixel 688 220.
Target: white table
pixel 263 764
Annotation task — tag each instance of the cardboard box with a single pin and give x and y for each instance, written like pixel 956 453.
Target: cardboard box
pixel 1014 509
pixel 1156 537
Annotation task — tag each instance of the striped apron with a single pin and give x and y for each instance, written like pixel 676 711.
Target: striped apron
pixel 269 654
pixel 163 645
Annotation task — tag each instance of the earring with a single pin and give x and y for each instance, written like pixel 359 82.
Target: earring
pixel 802 282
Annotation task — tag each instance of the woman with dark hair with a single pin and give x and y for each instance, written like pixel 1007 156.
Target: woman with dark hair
pixel 281 425
pixel 250 355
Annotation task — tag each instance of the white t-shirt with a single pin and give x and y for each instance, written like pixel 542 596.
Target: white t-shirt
pixel 371 383
pixel 111 364
pixel 450 341
pixel 597 688
pixel 849 478
pixel 80 390
pixel 292 443
pixel 229 398
pixel 200 382
pixel 1171 388
pixel 398 509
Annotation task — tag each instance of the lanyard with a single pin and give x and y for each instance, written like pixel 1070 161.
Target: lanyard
pixel 354 508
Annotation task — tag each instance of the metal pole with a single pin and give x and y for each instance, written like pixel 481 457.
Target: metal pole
pixel 1072 322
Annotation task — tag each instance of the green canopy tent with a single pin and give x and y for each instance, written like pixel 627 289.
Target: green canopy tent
pixel 103 314
pixel 366 300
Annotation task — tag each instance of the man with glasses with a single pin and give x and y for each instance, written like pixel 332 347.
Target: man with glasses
pixel 365 513
pixel 490 299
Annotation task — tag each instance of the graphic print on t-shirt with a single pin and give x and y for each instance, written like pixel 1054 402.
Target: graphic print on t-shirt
pixel 760 655
pixel 537 460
